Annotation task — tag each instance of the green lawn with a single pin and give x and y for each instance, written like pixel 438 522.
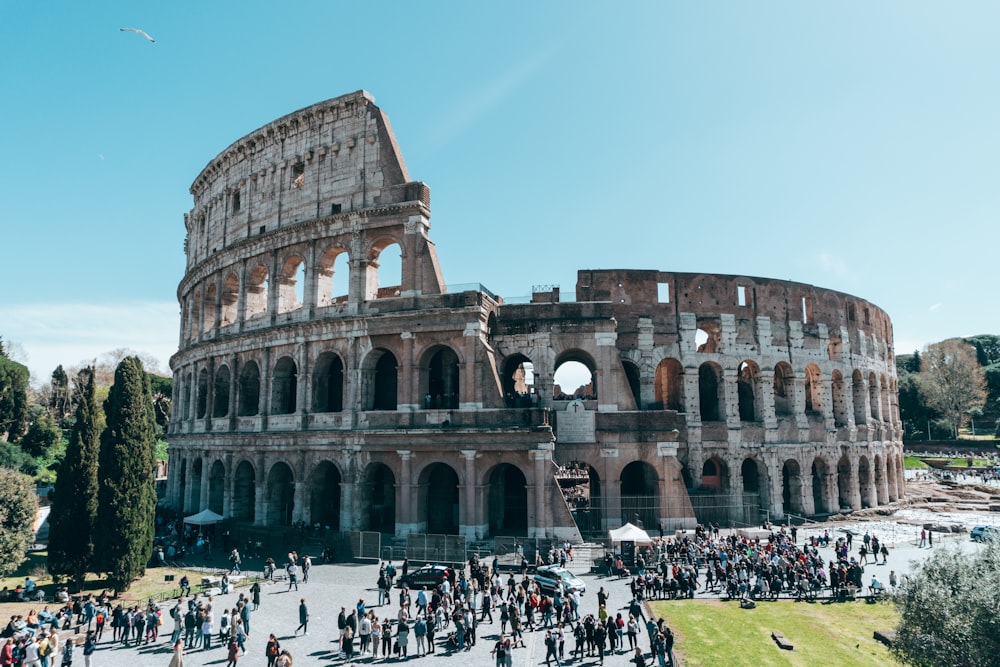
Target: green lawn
pixel 712 632
pixel 911 462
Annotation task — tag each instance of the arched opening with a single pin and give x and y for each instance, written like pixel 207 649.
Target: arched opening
pixel 518 381
pixel 378 497
pixel 508 501
pixel 381 365
pixel 783 390
pixel 208 307
pixel 711 392
pixel 640 495
pixel 284 387
pixel 708 338
pixel 332 289
pixel 216 486
pixel 845 481
pixel 814 391
pixel 755 486
pixel 820 482
pixel 441 379
pixel 291 284
pixel 866 483
pixel 574 377
pixel 791 487
pixel 440 486
pixel 324 496
pixel 839 389
pixel 748 386
pixel 858 394
pixel 632 377
pixel 249 403
pixel 328 383
pixel 230 299
pixel 280 495
pixel 244 493
pixel 220 401
pixel 256 292
pixel 202 398
pixel 669 385
pixel 385 270
pixel 581 486
pixel 712 472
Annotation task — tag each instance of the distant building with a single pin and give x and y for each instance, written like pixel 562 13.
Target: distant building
pixel 311 387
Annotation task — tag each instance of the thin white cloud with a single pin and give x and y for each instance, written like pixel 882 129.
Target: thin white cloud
pixel 934 307
pixel 75 333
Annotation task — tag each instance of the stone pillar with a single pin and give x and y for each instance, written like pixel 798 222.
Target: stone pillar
pixel 799 402
pixel 808 502
pixel 541 458
pixel 205 473
pixel 882 481
pixel 777 497
pixel 241 303
pixel 408 382
pixel 856 494
pixel 260 490
pixel 611 488
pixel 227 487
pixel 767 413
pixel 731 398
pixel 234 385
pixel 469 519
pixel 827 408
pixel 310 289
pixel 831 491
pixel 299 512
pixel 273 287
pixel 692 396
pixel 406 512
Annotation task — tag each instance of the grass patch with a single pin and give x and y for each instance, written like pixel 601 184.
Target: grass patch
pixel 712 632
pixel 911 462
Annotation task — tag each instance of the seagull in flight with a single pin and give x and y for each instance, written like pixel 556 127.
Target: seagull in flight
pixel 139 32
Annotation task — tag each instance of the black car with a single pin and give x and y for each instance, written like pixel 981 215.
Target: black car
pixel 428 575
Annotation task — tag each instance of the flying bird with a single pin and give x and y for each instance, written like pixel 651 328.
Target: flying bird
pixel 139 32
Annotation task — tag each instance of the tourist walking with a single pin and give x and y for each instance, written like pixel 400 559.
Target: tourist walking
pixel 177 660
pixel 303 618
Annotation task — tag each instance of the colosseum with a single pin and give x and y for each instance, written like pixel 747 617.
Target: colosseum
pixel 315 386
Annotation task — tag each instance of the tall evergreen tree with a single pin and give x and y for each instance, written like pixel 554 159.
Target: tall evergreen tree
pixel 74 503
pixel 126 478
pixel 13 398
pixel 59 400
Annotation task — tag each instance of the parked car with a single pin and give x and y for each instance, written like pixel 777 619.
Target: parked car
pixel 549 577
pixel 428 575
pixel 983 533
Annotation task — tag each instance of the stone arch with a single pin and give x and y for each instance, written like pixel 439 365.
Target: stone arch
pixel 255 299
pixel 845 482
pixel 714 474
pixel 756 489
pixel 324 495
pixel 640 494
pixel 784 390
pixel 748 391
pixel 284 387
pixel 291 283
pixel 249 396
pixel 839 390
pixel 708 337
pixel 208 308
pixel 669 385
pixel 858 395
pixel 244 502
pixel 330 289
pixel 439 378
pixel 508 500
pixel 439 493
pixel 586 390
pixel 220 397
pixel 378 499
pixel 821 479
pixel 230 299
pixel 328 383
pixel 385 270
pixel 866 483
pixel 201 399
pixel 517 380
pixel 280 496
pixel 216 486
pixel 381 375
pixel 711 392
pixel 791 487
pixel 814 390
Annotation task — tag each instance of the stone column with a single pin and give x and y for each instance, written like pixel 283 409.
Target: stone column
pixel 260 489
pixel 205 474
pixel 808 502
pixel 856 495
pixel 541 457
pixel 273 287
pixel 881 481
pixel 827 407
pixel 611 488
pixel 731 394
pixel 767 413
pixel 831 491
pixel 774 465
pixel 299 512
pixel 227 487
pixel 406 512
pixel 799 402
pixel 467 516
pixel 310 289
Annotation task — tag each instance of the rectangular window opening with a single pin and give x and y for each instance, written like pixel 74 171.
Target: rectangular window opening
pixel 298 175
pixel 807 310
pixel 663 292
pixel 741 295
pixel 236 202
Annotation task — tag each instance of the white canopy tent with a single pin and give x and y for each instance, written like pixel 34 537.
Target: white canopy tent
pixel 630 533
pixel 206 517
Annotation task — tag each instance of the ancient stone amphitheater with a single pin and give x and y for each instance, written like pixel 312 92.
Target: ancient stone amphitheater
pixel 310 387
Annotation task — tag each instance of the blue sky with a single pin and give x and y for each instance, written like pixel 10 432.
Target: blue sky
pixel 849 145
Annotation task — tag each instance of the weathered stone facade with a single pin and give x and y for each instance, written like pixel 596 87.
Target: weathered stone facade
pixel 306 389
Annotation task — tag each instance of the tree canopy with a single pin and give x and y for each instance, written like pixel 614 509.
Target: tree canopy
pixel 14 379
pixel 952 381
pixel 18 506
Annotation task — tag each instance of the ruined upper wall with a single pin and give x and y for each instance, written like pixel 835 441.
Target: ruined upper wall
pixel 662 295
pixel 335 156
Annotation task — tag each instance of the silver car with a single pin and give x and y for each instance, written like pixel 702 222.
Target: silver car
pixel 549 577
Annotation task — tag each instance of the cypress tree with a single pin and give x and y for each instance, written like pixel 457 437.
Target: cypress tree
pixel 126 478
pixel 74 503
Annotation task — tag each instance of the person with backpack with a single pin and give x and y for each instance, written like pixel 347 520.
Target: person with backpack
pixel 272 650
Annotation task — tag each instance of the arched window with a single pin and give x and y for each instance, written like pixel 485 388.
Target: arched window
pixel 256 292
pixel 284 386
pixel 518 381
pixel 783 390
pixel 291 284
pixel 669 385
pixel 328 383
pixel 220 401
pixel 202 398
pixel 748 386
pixel 574 377
pixel 710 392
pixel 249 398
pixel 334 277
pixel 442 379
pixel 814 390
pixel 230 299
pixel 208 307
pixel 385 270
